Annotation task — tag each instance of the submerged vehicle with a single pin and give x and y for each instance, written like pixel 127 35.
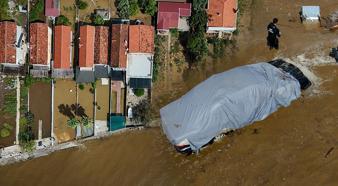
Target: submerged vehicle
pixel 230 100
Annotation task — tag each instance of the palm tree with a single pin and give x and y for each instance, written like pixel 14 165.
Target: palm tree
pixel 73 122
pixel 86 122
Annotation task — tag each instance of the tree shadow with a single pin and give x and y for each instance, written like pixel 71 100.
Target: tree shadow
pixel 79 110
pixel 66 110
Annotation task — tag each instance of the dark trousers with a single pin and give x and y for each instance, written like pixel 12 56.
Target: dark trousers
pixel 273 42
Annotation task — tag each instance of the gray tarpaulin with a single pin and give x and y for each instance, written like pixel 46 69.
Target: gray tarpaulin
pixel 228 100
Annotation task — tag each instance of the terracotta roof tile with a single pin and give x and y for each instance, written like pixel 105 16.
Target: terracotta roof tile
pixel 222 13
pixel 7 42
pixel 141 39
pixel 101 45
pixel 119 45
pixel 169 12
pixel 62 47
pixel 38 43
pixel 86 46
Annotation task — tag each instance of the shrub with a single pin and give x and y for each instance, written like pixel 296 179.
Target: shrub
pixel 141 112
pixel 93 85
pixel 151 7
pixel 10 103
pixel 36 13
pixel 81 4
pixel 197 46
pixel 26 138
pixel 138 92
pixel 123 8
pixel 62 20
pixel 174 32
pixel 175 48
pixel 28 146
pixel 4 10
pixel 97 19
pixel 8 126
pixel 86 122
pixel 23 121
pixel 4 132
pixel 81 87
pixel 134 8
pixel 73 122
pixel 29 117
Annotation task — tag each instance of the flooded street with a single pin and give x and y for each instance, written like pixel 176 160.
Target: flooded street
pixel 295 145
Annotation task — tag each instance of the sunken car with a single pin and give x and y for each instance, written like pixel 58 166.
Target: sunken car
pixel 229 101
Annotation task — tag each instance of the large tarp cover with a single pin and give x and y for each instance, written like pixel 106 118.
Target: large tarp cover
pixel 228 100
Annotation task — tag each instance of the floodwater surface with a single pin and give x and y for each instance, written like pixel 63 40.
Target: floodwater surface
pixel 293 146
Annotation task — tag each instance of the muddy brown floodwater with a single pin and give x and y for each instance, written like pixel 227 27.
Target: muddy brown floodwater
pixel 295 145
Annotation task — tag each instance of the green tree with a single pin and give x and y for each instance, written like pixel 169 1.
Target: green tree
pixel 151 7
pixel 97 20
pixel 4 10
pixel 86 122
pixel 197 45
pixel 29 117
pixel 36 13
pixel 198 21
pixel 81 4
pixel 123 8
pixel 26 139
pixel 22 2
pixel 138 92
pixel 134 8
pixel 4 132
pixel 141 112
pixel 62 20
pixel 73 122
pixel 81 87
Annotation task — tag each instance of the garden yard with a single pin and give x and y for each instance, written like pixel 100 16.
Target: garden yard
pixel 64 102
pixel 7 111
pixel 68 9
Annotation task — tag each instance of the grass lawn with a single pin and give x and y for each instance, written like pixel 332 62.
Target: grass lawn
pixel 67 9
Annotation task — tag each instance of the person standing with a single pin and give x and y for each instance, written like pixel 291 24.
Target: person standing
pixel 273 34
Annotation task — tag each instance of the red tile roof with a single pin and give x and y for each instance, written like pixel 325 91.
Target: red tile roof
pixel 119 45
pixel 168 14
pixel 62 46
pixel 86 47
pixel 52 8
pixel 101 45
pixel 7 42
pixel 38 43
pixel 222 13
pixel 141 39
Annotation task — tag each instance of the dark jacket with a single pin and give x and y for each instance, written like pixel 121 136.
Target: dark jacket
pixel 273 31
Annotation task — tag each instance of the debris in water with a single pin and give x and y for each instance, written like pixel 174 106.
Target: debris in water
pixel 329 152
